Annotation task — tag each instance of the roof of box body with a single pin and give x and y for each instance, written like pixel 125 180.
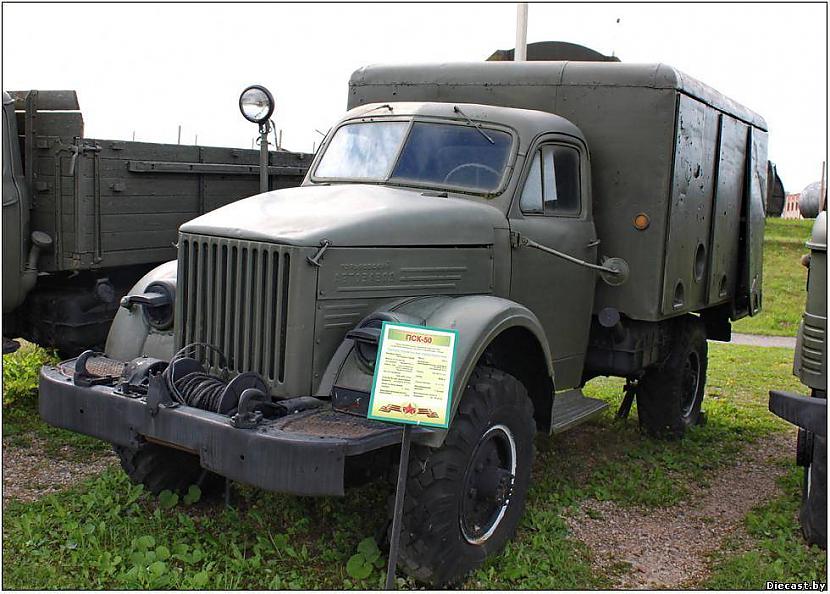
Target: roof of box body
pixel 656 76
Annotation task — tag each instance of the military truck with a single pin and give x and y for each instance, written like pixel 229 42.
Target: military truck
pixel 568 219
pixel 85 218
pixel 810 413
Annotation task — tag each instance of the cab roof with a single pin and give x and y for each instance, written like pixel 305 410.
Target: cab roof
pixel 528 123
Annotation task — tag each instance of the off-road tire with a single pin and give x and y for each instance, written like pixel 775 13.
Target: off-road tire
pixel 159 468
pixel 668 399
pixel 434 549
pixel 813 513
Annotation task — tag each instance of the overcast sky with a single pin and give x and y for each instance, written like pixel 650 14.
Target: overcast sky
pixel 148 68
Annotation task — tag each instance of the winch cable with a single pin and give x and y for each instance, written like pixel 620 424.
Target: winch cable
pixel 197 389
pixel 201 390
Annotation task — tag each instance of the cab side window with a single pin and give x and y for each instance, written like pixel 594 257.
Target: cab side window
pixel 552 185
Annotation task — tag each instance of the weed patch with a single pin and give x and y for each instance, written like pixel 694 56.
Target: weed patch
pixel 20 371
pixel 21 420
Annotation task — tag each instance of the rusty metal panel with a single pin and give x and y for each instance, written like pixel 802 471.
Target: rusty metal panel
pixel 685 276
pixel 726 211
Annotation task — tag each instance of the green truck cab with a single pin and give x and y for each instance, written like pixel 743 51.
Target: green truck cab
pixel 568 220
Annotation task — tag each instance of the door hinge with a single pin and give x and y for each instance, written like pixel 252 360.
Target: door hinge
pixel 517 240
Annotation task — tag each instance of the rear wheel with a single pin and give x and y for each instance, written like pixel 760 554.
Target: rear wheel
pixel 159 468
pixel 669 396
pixel 464 499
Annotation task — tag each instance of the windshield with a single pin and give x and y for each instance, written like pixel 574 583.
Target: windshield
pixel 431 154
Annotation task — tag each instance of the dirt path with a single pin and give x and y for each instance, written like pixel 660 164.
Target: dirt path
pixel 30 471
pixel 787 342
pixel 669 548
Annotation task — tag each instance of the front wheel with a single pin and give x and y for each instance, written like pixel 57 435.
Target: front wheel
pixel 159 468
pixel 669 396
pixel 464 499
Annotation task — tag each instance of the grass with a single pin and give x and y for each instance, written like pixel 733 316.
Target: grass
pixel 106 533
pixel 785 280
pixel 21 420
pixel 776 551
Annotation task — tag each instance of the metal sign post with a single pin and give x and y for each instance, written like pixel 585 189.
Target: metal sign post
pixel 412 385
pixel 397 514
pixel 520 53
pixel 264 129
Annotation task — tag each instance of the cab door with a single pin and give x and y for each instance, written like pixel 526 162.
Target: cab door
pixel 552 207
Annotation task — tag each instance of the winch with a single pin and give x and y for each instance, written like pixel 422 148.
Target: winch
pixel 185 381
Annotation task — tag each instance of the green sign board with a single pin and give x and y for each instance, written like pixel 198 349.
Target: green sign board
pixel 413 375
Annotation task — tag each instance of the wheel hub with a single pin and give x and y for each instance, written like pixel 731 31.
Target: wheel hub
pixel 488 484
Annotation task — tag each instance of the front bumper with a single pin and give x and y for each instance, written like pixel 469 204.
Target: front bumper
pixel 303 453
pixel 806 412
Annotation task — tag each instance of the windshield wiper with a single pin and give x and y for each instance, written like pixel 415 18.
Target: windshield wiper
pixel 384 106
pixel 476 125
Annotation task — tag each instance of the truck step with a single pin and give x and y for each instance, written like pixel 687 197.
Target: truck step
pixel 573 408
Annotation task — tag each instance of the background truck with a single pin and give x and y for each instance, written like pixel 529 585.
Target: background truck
pixel 566 219
pixel 84 218
pixel 810 413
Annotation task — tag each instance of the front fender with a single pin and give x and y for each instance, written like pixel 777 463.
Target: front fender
pixel 130 335
pixel 479 320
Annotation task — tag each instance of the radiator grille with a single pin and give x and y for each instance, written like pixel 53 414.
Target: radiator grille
pixel 233 294
pixel 813 343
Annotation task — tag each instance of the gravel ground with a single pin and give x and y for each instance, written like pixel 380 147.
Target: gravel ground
pixel 669 548
pixel 30 472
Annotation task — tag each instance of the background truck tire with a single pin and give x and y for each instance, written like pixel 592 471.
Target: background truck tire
pixel 813 513
pixel 452 487
pixel 159 468
pixel 670 395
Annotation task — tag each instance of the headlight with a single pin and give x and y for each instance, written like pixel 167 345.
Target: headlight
pixel 160 314
pixel 256 104
pixel 366 337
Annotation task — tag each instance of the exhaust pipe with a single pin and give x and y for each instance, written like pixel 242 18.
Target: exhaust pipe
pixel 40 241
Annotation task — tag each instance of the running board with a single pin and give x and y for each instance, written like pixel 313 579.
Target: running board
pixel 572 408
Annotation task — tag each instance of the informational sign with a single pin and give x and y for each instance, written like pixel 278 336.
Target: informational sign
pixel 413 375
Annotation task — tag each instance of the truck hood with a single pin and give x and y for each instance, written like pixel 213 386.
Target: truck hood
pixel 354 215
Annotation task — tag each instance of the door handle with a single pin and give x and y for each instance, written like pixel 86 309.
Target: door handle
pixel 593 243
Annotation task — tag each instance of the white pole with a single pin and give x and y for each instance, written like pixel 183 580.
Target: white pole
pixel 520 53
